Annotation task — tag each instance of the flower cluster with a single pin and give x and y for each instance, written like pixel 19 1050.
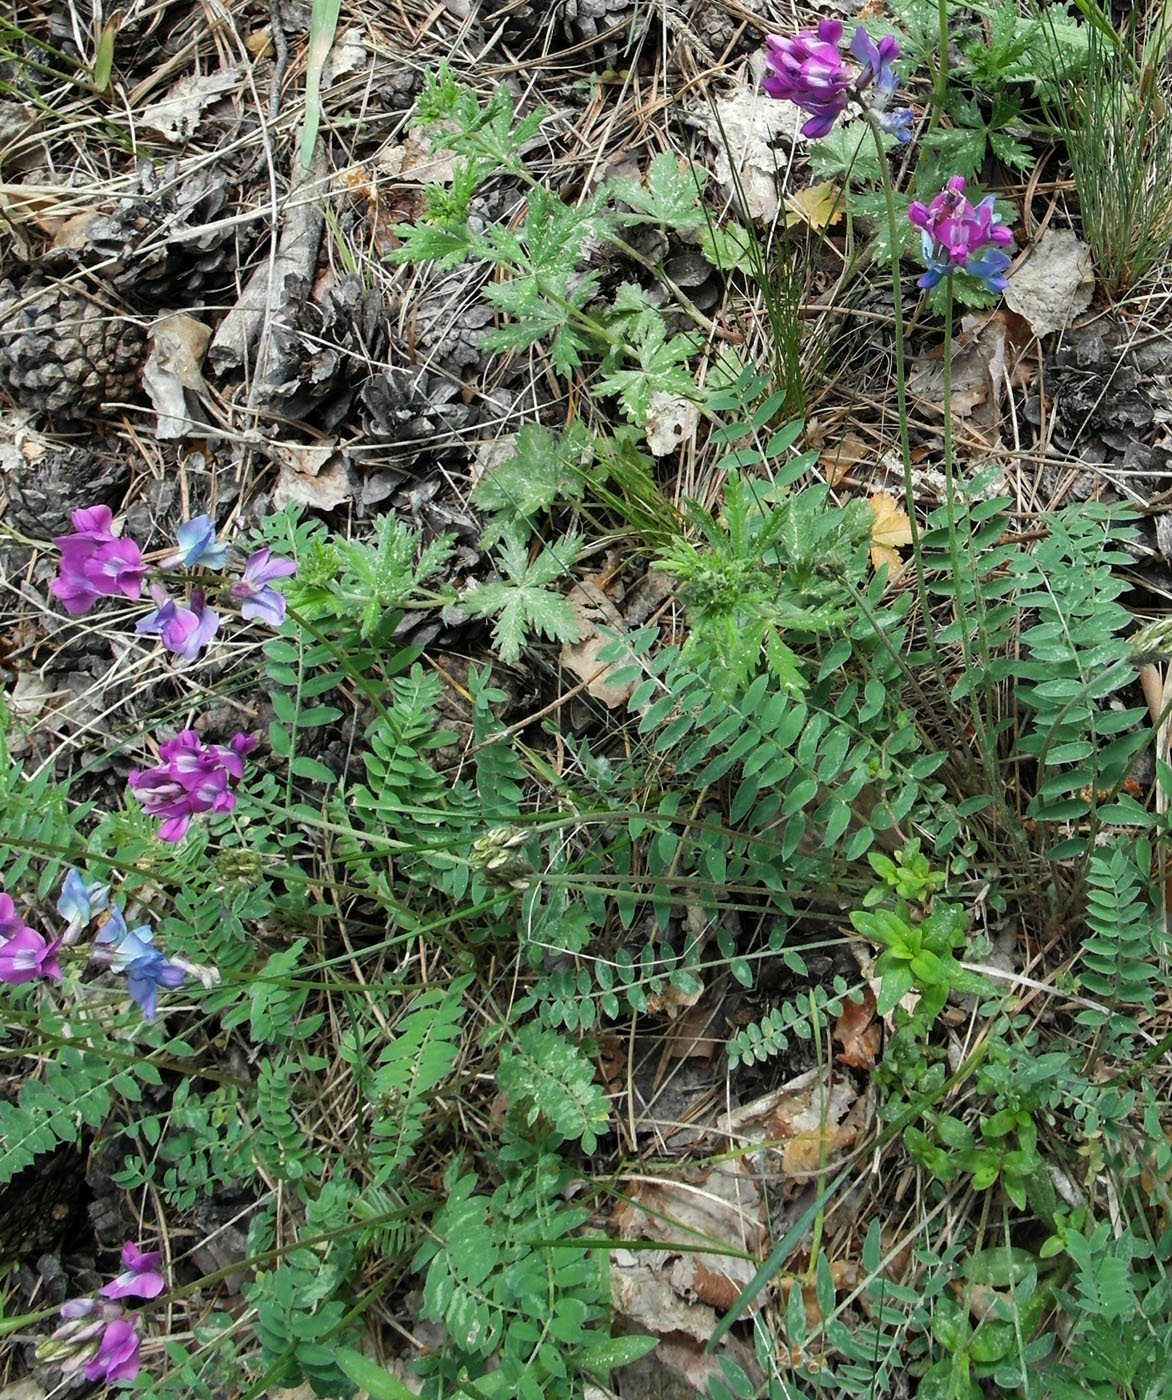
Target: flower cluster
pixel 96 1334
pixel 26 954
pixel 957 236
pixel 95 563
pixel 193 777
pixel 810 70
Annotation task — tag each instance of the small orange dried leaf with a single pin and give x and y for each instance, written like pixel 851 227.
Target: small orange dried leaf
pixel 891 529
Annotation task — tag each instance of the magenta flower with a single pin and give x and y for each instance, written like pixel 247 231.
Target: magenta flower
pixel 140 1276
pixel 258 600
pixel 956 237
pixel 197 546
pixel 809 71
pixel 24 953
pixel 117 1356
pixel 95 563
pixel 184 630
pixel 194 777
pixel 10 921
pixel 27 955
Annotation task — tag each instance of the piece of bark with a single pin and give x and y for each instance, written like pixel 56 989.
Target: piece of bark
pixel 296 255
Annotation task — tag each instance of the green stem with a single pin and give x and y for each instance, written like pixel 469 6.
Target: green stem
pixel 940 90
pixel 909 496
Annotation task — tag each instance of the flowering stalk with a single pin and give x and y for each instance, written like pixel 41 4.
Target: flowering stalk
pixel 809 70
pixel 95 563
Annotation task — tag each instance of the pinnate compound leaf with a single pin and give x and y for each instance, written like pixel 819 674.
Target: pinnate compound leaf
pixel 544 1075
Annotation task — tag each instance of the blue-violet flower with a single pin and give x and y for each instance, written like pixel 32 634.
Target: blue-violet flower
pixel 198 546
pixel 78 904
pixel 258 600
pixel 131 951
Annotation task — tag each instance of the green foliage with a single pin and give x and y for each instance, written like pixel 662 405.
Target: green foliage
pixel 761 1040
pixel 1124 952
pixel 522 601
pixel 1120 149
pixel 545 1076
pixel 419 1059
pixel 511 1288
pixel 773 566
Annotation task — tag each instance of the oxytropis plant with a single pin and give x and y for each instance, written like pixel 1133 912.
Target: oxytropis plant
pixel 97 1337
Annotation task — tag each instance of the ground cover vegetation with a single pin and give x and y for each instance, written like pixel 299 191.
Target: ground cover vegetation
pixel 585 752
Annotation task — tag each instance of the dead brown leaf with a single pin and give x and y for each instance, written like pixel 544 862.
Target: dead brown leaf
pixel 858 1032
pixel 725 1207
pixel 600 620
pixel 986 354
pixel 839 461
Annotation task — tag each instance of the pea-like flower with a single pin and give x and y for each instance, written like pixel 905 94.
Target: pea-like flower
pixel 257 599
pixel 132 951
pixel 76 1341
pixel 958 236
pixel 140 1276
pixel 810 71
pixel 117 1356
pixel 95 563
pixel 79 903
pixel 184 629
pixel 198 546
pixel 25 954
pixel 194 777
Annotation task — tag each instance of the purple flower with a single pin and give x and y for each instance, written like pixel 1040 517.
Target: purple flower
pixel 75 1342
pixel 24 953
pixel 117 1356
pixel 95 563
pixel 809 71
pixel 875 61
pixel 78 904
pixel 184 630
pixel 193 777
pixel 197 546
pixel 958 237
pixel 10 921
pixel 140 1276
pixel 259 601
